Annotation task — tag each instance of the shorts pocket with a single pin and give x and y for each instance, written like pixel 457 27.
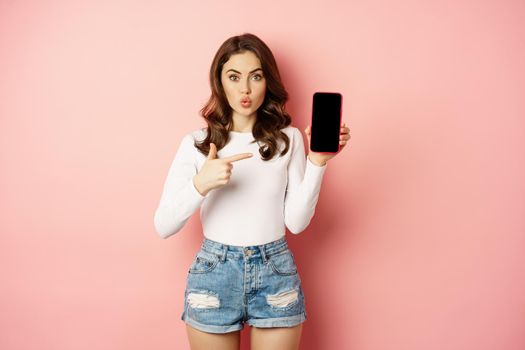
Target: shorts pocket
pixel 283 263
pixel 204 262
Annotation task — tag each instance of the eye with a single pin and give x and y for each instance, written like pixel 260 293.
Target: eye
pixel 232 76
pixel 258 75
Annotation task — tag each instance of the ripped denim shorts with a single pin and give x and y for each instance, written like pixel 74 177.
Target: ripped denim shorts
pixel 228 286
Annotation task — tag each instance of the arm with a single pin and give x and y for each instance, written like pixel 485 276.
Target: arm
pixel 304 184
pixel 179 198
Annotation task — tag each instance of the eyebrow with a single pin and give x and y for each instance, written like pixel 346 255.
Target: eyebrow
pixel 256 69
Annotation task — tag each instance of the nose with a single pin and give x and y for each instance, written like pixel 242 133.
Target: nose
pixel 245 87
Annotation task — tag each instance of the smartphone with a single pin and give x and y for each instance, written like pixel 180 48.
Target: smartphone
pixel 326 122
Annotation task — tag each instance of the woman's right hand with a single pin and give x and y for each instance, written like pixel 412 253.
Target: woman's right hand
pixel 216 172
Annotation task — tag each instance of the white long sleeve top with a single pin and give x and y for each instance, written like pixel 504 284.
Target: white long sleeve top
pixel 260 198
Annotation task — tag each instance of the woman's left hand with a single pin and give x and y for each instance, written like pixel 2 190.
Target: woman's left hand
pixel 320 159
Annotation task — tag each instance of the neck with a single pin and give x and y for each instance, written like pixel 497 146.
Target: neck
pixel 243 123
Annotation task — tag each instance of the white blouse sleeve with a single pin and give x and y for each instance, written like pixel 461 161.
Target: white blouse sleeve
pixel 304 184
pixel 179 199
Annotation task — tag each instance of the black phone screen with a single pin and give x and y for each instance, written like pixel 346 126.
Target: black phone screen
pixel 326 122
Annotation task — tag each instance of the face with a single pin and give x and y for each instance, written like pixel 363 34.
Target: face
pixel 242 78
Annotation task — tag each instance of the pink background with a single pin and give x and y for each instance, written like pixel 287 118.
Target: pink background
pixel 418 238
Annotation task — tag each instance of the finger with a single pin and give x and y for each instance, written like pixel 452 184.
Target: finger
pixel 237 157
pixel 213 151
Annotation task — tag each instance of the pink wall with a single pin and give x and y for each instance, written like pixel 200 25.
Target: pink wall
pixel 417 241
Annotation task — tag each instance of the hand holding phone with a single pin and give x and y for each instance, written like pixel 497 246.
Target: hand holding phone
pixel 326 122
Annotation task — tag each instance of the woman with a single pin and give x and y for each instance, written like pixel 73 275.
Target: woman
pixel 244 271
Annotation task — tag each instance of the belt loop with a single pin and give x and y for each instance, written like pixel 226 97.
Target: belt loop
pixel 224 252
pixel 263 253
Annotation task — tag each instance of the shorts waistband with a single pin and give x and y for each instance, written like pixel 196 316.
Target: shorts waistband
pixel 264 250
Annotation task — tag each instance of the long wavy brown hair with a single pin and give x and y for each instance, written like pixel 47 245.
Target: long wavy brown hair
pixel 271 115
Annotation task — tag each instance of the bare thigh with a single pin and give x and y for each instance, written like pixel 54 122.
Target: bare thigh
pixel 204 341
pixel 282 338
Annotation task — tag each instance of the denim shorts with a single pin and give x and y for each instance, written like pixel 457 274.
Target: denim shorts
pixel 228 286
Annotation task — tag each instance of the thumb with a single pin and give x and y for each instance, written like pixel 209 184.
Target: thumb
pixel 213 151
pixel 308 132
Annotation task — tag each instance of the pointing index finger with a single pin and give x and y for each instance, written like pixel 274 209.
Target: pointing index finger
pixel 237 157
